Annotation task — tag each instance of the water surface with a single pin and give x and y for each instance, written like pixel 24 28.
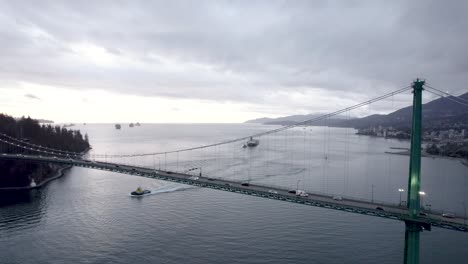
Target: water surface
pixel 88 217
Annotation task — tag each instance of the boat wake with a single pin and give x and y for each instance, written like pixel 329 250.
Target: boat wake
pixel 171 188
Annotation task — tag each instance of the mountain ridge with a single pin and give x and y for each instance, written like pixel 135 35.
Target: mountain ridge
pixel 437 112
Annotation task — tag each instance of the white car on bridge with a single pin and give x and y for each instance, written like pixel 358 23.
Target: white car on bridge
pixel 302 193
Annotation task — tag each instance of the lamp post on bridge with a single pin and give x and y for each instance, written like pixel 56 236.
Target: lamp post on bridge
pixel 400 191
pixel 154 163
pixel 422 194
pixel 464 213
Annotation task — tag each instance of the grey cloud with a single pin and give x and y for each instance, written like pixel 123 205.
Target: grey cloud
pixel 244 50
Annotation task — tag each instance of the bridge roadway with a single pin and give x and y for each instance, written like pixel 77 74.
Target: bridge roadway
pixel 319 200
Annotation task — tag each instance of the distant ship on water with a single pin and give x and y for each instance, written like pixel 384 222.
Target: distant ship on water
pixel 253 142
pixel 117 126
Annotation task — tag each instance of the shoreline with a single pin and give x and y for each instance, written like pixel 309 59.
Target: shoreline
pixel 59 173
pixel 406 151
pixel 426 155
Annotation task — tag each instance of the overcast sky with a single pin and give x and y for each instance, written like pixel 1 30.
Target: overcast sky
pixel 222 61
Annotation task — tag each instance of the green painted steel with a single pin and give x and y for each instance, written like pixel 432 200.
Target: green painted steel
pixel 414 181
pixel 412 243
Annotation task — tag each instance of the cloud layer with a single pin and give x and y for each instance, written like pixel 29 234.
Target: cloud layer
pixel 257 52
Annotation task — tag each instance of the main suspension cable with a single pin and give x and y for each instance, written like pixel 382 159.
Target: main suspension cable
pixel 443 95
pixel 302 123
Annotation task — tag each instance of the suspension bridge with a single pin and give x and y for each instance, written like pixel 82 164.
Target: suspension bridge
pixel 218 166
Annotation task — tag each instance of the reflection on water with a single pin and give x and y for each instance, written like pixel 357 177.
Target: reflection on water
pixel 12 197
pixel 20 209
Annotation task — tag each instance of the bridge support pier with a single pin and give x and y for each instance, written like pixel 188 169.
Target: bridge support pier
pixel 412 243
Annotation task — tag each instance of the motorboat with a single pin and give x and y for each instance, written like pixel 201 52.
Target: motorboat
pixel 139 192
pixel 252 142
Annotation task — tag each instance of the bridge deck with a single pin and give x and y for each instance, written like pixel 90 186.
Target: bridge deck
pixel 348 205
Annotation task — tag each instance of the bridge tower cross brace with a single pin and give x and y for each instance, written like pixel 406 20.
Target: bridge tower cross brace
pixel 413 228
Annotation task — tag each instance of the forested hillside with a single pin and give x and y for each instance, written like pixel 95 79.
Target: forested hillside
pixel 19 173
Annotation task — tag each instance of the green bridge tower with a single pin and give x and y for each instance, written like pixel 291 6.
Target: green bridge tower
pixel 413 228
